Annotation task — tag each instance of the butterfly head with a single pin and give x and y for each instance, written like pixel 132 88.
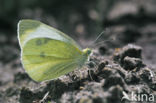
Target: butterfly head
pixel 87 51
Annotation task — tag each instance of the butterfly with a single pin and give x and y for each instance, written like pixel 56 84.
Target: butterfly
pixel 47 53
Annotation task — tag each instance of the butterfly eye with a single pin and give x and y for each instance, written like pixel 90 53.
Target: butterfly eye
pixel 87 51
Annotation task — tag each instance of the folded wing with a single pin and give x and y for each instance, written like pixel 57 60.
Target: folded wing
pixel 45 59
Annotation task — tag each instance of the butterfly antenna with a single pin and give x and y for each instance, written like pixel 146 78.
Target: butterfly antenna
pixel 101 42
pixel 111 38
pixel 99 36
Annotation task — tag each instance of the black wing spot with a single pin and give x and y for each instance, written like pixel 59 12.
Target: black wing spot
pixel 46 40
pixel 38 42
pixel 42 54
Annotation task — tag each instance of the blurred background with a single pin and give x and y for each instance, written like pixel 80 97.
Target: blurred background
pixel 129 21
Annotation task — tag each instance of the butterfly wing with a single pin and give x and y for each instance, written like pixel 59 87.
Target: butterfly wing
pixel 46 52
pixel 29 29
pixel 45 59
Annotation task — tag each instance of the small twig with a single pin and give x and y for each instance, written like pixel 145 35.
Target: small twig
pixel 43 99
